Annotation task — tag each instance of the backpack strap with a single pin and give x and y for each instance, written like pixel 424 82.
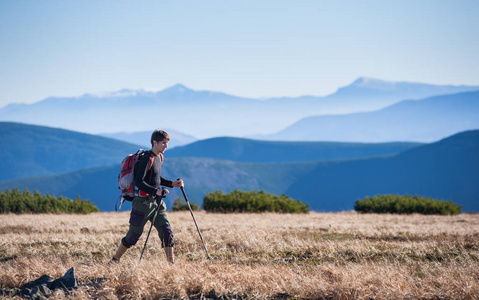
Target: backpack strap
pixel 152 159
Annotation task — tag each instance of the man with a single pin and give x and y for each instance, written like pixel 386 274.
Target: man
pixel 148 180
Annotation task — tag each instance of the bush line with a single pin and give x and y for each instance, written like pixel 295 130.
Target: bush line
pixel 254 202
pixel 17 202
pixel 178 206
pixel 396 204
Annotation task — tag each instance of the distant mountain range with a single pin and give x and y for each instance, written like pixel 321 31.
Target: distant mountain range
pixel 425 120
pixel 205 114
pixel 369 94
pixel 447 169
pixel 143 138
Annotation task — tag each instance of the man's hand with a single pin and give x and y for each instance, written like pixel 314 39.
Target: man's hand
pixel 162 192
pixel 178 183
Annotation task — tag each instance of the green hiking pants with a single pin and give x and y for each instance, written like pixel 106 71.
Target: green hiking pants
pixel 143 210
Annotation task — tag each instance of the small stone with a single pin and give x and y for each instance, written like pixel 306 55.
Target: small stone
pixel 36 294
pixel 44 290
pixel 44 279
pixel 25 291
pixel 67 281
pixel 212 294
pixel 284 296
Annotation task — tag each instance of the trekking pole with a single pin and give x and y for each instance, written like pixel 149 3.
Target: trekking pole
pixel 157 198
pixel 191 211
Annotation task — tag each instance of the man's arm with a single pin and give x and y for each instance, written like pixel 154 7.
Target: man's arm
pixel 166 182
pixel 171 184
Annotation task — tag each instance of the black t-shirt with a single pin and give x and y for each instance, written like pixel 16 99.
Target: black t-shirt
pixel 148 174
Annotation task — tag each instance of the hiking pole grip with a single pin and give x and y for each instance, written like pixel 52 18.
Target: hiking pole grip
pixel 184 194
pixel 163 193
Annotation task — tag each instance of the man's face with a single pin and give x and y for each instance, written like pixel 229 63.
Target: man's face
pixel 160 147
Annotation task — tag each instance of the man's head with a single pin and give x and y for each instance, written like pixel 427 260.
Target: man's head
pixel 159 141
pixel 159 136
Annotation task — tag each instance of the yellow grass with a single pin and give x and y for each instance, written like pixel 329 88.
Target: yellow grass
pixel 318 255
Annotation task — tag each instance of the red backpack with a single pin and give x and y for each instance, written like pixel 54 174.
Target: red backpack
pixel 126 177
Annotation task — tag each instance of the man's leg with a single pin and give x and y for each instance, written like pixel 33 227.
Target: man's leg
pixel 119 253
pixel 165 232
pixel 139 215
pixel 170 254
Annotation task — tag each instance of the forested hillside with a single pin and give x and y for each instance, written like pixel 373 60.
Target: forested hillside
pixel 246 150
pixel 29 150
pixel 447 169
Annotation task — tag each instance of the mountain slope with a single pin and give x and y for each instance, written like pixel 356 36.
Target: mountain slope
pixel 447 169
pixel 245 150
pixel 423 120
pixel 28 150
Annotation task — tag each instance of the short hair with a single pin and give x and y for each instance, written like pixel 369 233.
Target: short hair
pixel 159 135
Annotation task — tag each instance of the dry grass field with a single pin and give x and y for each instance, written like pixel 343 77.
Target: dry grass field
pixel 255 256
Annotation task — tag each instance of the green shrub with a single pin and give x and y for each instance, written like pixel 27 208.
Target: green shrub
pixel 178 206
pixel 396 204
pixel 256 202
pixel 17 202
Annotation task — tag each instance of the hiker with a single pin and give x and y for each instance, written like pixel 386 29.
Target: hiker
pixel 148 180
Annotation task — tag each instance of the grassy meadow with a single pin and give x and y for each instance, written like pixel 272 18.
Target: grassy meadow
pixel 255 256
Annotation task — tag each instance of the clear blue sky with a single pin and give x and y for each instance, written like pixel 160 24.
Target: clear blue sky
pixel 253 48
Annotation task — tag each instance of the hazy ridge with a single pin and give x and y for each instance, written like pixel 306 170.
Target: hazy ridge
pixel 205 114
